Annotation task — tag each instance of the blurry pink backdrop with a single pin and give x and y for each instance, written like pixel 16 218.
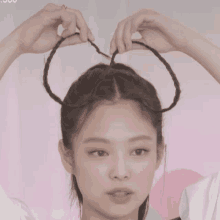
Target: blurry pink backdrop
pixel 30 165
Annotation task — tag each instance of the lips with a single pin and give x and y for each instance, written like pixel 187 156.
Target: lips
pixel 120 194
pixel 119 197
pixel 120 191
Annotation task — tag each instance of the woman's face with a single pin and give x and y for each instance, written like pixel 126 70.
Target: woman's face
pixel 116 147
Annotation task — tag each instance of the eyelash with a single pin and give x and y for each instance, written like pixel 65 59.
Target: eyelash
pixel 145 150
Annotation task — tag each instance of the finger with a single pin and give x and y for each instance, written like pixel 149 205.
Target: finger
pixel 66 24
pixel 48 8
pixel 82 26
pixel 70 27
pixel 69 23
pixel 80 23
pixel 119 37
pixel 136 46
pixel 65 33
pixel 70 15
pixel 127 36
pixel 53 17
pixel 52 7
pixel 73 40
pixel 112 45
pixel 91 36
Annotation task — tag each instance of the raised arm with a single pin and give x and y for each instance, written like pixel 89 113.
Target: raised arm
pixel 9 51
pixel 164 35
pixel 205 53
pixel 38 34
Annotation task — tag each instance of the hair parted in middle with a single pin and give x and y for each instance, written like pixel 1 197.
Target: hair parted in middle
pixel 111 83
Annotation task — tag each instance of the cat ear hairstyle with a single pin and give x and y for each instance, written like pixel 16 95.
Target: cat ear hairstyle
pixel 57 99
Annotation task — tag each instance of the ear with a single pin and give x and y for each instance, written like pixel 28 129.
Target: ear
pixel 162 147
pixel 66 160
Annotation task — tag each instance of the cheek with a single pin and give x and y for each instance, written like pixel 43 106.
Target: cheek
pixel 144 175
pixel 86 172
pixel 144 169
pixel 91 177
pixel 146 166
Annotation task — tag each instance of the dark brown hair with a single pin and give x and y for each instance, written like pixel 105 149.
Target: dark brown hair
pixel 112 82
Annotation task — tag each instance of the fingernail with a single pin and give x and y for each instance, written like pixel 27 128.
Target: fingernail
pixel 91 36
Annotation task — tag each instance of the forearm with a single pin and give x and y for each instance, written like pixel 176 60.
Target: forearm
pixel 205 53
pixel 9 51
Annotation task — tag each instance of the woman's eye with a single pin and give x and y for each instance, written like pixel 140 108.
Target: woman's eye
pixel 139 151
pixel 101 153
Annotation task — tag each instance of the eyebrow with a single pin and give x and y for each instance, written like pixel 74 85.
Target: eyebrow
pixel 103 140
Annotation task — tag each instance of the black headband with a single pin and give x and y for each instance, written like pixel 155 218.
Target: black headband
pixel 46 68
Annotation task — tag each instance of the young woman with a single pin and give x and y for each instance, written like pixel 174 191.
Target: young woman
pixel 110 118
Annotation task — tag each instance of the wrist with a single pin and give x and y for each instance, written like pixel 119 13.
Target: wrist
pixel 12 44
pixel 206 53
pixel 194 42
pixel 9 51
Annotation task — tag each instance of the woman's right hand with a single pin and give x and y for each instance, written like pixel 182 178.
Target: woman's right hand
pixel 162 33
pixel 38 34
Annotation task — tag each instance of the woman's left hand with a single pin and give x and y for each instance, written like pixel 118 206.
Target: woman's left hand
pixel 158 31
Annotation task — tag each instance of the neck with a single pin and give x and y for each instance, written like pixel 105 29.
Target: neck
pixel 90 213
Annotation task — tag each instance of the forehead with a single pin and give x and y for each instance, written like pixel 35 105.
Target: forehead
pixel 118 122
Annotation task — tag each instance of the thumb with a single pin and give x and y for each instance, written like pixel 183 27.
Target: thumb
pixel 71 41
pixel 136 46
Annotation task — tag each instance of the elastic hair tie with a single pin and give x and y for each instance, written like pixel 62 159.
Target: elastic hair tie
pixel 57 99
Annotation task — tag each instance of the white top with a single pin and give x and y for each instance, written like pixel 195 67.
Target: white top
pixel 201 200
pixel 14 209
pixel 153 214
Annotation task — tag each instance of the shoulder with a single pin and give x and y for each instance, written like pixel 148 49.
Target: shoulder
pixel 204 183
pixel 23 209
pixel 204 187
pixel 12 208
pixel 197 197
pixel 153 214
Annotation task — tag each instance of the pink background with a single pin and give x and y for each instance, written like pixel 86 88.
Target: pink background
pixel 30 165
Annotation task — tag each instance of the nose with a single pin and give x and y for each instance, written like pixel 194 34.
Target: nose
pixel 120 170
